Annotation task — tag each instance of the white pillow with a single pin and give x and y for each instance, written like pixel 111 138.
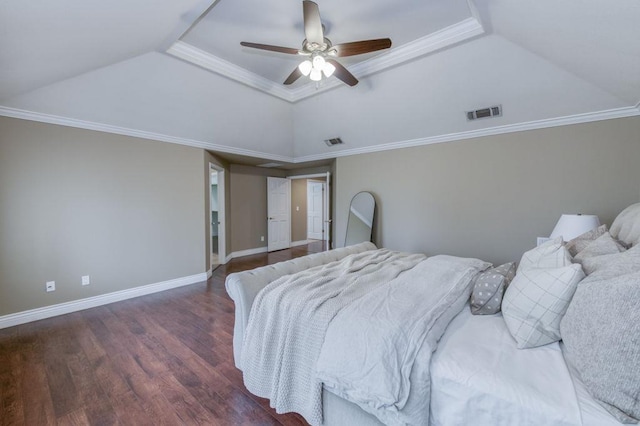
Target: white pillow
pixel 535 302
pixel 551 254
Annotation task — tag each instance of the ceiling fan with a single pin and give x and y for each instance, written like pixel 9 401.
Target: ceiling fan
pixel 320 51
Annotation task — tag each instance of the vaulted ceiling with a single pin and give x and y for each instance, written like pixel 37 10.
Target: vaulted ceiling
pixel 175 71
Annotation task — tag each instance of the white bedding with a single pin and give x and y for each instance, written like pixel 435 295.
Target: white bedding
pixel 289 319
pixel 479 377
pixel 377 350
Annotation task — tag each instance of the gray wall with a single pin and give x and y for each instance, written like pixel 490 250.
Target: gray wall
pixel 126 211
pixel 298 217
pixel 249 206
pixel 491 197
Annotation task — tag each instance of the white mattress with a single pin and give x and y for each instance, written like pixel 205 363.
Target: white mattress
pixel 479 377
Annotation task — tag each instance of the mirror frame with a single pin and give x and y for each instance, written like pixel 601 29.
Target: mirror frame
pixel 349 214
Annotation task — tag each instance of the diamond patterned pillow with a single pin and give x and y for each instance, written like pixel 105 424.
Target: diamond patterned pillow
pixel 489 288
pixel 536 301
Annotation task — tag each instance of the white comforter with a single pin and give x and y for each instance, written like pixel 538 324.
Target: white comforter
pixel 382 313
pixel 377 350
pixel 288 321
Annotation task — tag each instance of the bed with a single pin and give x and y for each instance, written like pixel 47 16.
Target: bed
pixel 474 370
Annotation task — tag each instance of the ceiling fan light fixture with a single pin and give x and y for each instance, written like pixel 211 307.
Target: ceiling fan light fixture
pixel 305 67
pixel 315 75
pixel 318 62
pixel 318 49
pixel 328 69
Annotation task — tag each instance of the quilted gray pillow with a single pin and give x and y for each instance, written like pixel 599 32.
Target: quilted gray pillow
pixel 605 244
pixel 489 287
pixel 580 242
pixel 601 333
pixel 610 265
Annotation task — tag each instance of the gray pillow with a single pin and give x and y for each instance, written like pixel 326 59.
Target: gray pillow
pixel 489 287
pixel 580 242
pixel 626 227
pixel 610 265
pixel 601 333
pixel 605 244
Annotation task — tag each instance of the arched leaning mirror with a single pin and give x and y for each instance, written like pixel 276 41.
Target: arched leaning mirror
pixel 360 222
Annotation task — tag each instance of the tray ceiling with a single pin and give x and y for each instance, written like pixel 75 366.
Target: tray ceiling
pixel 175 71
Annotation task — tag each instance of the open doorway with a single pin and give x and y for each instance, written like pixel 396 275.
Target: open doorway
pixel 310 218
pixel 216 212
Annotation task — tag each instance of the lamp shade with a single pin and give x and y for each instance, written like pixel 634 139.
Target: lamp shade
pixel 572 225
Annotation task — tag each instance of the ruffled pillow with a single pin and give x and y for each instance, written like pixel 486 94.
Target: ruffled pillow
pixel 604 244
pixel 581 242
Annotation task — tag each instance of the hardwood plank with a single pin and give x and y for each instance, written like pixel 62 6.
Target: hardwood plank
pixel 165 358
pixel 75 418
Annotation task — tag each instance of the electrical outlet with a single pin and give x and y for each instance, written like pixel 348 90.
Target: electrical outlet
pixel 86 280
pixel 262 238
pixel 50 286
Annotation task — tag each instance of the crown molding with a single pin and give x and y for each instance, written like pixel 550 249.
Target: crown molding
pixel 631 111
pixel 107 128
pixel 192 54
pixel 453 34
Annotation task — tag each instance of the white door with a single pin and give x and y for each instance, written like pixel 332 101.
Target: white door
pixel 315 210
pixel 279 213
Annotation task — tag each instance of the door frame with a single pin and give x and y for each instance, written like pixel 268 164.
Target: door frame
pixel 222 235
pixel 327 200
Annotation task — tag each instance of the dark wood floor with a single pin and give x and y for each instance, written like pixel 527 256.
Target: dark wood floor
pixel 165 358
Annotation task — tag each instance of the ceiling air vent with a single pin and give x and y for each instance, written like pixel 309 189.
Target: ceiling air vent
pixel 269 165
pixel 334 141
pixel 494 111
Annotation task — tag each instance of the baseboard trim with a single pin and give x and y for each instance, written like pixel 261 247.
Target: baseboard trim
pixel 91 302
pixel 299 243
pixel 247 252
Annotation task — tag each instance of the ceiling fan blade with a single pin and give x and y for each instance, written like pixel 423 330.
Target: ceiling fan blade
pixel 312 23
pixel 296 74
pixel 280 49
pixel 360 47
pixel 342 73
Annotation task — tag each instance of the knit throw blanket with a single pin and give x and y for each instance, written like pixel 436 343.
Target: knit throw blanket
pixel 289 319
